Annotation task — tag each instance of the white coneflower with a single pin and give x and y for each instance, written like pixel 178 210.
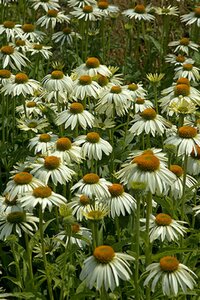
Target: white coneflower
pixel 172 274
pixel 141 104
pixel 51 168
pixel 136 90
pixel 107 9
pixel 40 49
pixel 178 59
pixel 84 87
pixel 32 108
pixel 43 142
pixel 163 227
pixel 6 76
pixel 187 70
pixel 31 34
pixel 12 58
pixel 52 17
pixel 75 115
pixel 79 205
pixel 103 264
pixel 11 30
pixel 169 10
pixel 192 18
pixel 93 146
pixel 87 13
pixel 139 12
pixel 193 165
pixel 92 67
pixel 184 45
pixel 57 81
pixel 80 3
pixel 45 4
pixel 66 36
pixel 8 204
pixel 36 125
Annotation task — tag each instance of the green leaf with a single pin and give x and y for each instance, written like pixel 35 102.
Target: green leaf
pixel 171 251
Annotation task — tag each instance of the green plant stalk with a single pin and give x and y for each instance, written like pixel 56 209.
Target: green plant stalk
pixel 117 227
pixel 51 297
pixel 103 294
pixel 3 106
pixel 181 120
pixel 102 30
pixel 137 248
pixel 148 249
pixel 95 238
pixel 155 90
pixel 184 186
pixel 86 34
pixel 18 271
pixel 29 258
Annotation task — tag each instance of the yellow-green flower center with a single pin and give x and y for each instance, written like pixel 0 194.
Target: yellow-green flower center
pixel 169 264
pixel 5 74
pixel 132 87
pixel 23 178
pixel 7 50
pixel 85 80
pixel 37 46
pixel 87 9
pixel 103 4
pixel 21 78
pixel 52 13
pixel 16 217
pixel 91 178
pixel 196 154
pixel 67 30
pixel 28 28
pixel 183 80
pixel 197 12
pixel 116 189
pixel 93 137
pixel 187 67
pixel 44 137
pixel 102 80
pixel 75 228
pixel 147 163
pixel 57 74
pixel 32 124
pixel 139 9
pixel 84 200
pixel 20 43
pixel 30 104
pixel 163 220
pixel 184 41
pixel 104 254
pixel 116 89
pixel 9 24
pixel 42 192
pixel 148 114
pixel 177 170
pixel 95 215
pixel 51 162
pixel 92 62
pixel 187 132
pixel 180 58
pixel 63 144
pixel 76 108
pixel 140 101
pixel 181 90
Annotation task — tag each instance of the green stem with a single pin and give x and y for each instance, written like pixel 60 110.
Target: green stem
pixel 95 239
pixel 51 297
pixel 18 271
pixel 148 249
pixel 137 249
pixel 29 258
pixel 184 186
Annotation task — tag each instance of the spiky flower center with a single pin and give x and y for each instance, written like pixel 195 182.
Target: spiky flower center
pixel 104 254
pixel 91 178
pixel 76 108
pixel 52 13
pixel 139 9
pixel 85 80
pixel 196 154
pixel 177 170
pixel 148 152
pixel 92 62
pixel 67 30
pixel 32 124
pixel 21 78
pixel 148 114
pixel 102 80
pixel 187 132
pixel 56 74
pixel 20 43
pixel 147 163
pixel 7 50
pixel 187 67
pixel 23 178
pixel 116 89
pixel 87 9
pixel 140 101
pixel 183 80
pixel 169 264
pixel 180 58
pixel 95 215
pixel 51 162
pixel 30 104
pixel 197 12
pixel 181 90
pixel 63 144
pixel 75 228
pixel 184 41
pixel 132 87
pixel 44 137
pixel 103 4
pixel 84 200
pixel 163 220
pixel 28 28
pixel 42 192
pixel 93 137
pixel 16 217
pixel 116 189
pixel 37 46
pixel 5 74
pixel 9 24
